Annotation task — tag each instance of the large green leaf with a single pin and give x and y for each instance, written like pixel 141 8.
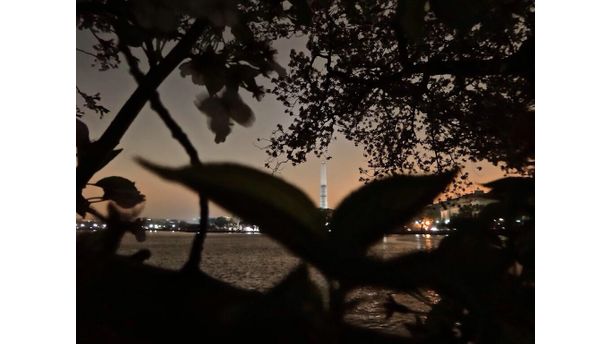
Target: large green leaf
pixel 280 209
pixel 368 213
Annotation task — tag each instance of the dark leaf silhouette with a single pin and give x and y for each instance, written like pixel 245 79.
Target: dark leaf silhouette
pixel 221 111
pixel 245 76
pixel 120 190
pixel 218 118
pixel 207 69
pixel 516 196
pixel 512 185
pixel 141 255
pixel 237 109
pixel 280 209
pixel 368 213
pixel 295 311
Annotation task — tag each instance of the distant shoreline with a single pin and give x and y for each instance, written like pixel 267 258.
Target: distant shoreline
pixel 436 233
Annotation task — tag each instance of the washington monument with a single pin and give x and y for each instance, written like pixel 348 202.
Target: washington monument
pixel 323 204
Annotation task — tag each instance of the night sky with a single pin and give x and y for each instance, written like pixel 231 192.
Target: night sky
pixel 150 139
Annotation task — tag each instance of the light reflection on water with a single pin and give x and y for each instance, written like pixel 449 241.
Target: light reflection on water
pixel 424 242
pixel 257 262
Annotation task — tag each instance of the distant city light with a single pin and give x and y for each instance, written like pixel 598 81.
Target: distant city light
pixel 168 225
pixel 434 229
pixel 447 221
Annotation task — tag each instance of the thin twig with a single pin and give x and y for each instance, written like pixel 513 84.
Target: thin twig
pixel 197 245
pixel 195 255
pixel 86 52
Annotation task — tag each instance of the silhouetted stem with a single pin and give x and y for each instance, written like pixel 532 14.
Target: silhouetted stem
pixel 195 254
pixel 86 53
pixel 197 245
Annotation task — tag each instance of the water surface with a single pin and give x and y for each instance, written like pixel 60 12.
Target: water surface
pixel 254 261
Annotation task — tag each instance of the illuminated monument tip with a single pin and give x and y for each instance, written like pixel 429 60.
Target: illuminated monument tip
pixel 323 204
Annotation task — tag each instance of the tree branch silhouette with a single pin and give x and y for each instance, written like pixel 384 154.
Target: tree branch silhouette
pixel 86 53
pixel 112 135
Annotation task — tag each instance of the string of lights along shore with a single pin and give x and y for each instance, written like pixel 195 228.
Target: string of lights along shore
pixel 323 203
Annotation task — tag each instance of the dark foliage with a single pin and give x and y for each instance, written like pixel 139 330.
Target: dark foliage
pixel 421 85
pixel 484 277
pixel 91 102
pixel 364 216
